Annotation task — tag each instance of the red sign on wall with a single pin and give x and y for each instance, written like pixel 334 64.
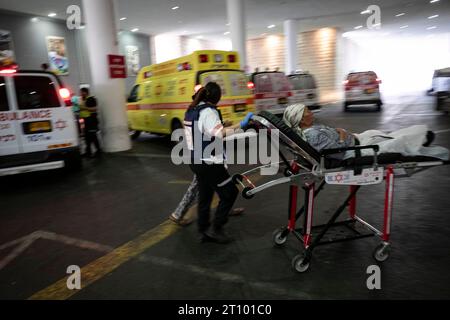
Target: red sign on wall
pixel 117 68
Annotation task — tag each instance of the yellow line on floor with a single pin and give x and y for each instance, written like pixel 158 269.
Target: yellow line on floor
pixel 106 264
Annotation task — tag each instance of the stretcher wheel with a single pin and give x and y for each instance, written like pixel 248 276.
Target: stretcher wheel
pixel 381 252
pixel 300 264
pixel 237 178
pixel 279 236
pixel 245 195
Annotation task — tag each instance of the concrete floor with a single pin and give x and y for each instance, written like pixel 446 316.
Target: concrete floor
pixel 121 197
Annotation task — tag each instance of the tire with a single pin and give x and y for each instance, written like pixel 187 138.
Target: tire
pixel 381 252
pixel 379 106
pixel 134 134
pixel 278 237
pixel 176 124
pixel 73 162
pixel 299 263
pixel 346 109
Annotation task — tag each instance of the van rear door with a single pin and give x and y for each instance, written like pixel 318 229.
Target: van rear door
pixel 235 92
pixel 9 143
pixel 44 122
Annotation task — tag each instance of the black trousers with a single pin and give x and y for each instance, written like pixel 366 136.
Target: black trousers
pixel 214 179
pixel 90 134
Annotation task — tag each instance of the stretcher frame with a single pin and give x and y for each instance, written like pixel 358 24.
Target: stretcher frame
pixel 307 171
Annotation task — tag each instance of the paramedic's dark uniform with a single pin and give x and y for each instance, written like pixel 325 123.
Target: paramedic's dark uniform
pixel 211 172
pixel 90 124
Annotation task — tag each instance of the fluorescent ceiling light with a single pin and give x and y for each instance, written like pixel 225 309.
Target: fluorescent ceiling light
pixel 135 30
pixel 123 19
pixel 52 14
pixel 175 8
pixel 271 26
pixel 433 1
pixel 400 14
pixel 226 33
pixel 403 27
pixel 431 28
pixel 365 12
pixel 357 27
pixel 433 16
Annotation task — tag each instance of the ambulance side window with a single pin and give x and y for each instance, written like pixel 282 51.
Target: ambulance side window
pixel 134 94
pixel 36 92
pixel 3 98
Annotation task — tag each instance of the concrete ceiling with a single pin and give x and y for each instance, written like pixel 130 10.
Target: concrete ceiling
pixel 209 17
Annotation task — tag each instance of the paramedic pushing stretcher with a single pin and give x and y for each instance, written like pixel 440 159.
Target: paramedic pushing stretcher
pixel 203 125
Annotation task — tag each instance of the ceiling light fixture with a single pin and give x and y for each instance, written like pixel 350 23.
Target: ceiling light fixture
pixel 403 27
pixel 357 27
pixel 52 14
pixel 400 14
pixel 365 12
pixel 226 33
pixel 271 26
pixel 123 19
pixel 431 28
pixel 135 30
pixel 433 1
pixel 175 8
pixel 433 16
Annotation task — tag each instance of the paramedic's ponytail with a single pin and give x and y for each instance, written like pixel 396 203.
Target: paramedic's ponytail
pixel 198 97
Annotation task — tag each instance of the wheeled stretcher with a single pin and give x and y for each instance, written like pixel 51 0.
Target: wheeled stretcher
pixel 312 171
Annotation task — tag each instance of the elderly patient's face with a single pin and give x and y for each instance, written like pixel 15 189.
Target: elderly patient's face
pixel 308 118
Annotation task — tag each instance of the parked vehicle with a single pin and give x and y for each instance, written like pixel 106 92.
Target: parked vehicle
pixel 38 130
pixel 362 88
pixel 304 90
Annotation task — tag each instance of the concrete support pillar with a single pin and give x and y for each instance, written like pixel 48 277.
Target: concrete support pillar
pixel 238 29
pixel 290 35
pixel 101 39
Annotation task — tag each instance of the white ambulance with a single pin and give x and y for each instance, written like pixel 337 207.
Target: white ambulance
pixel 38 129
pixel 272 91
pixel 304 90
pixel 362 88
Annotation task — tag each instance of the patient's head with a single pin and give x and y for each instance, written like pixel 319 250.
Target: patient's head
pixel 298 117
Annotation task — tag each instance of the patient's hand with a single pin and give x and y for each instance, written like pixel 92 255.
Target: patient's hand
pixel 343 134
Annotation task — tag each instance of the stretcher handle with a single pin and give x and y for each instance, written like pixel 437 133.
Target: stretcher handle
pixel 327 152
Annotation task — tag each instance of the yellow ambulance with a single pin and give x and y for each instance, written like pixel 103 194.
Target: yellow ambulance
pixel 162 93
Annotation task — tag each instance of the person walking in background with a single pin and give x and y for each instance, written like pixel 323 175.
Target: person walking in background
pixel 76 110
pixel 189 198
pixel 88 112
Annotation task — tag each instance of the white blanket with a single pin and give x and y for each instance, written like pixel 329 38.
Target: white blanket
pixel 408 142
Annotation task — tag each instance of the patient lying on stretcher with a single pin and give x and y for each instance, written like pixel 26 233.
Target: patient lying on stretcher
pixel 411 141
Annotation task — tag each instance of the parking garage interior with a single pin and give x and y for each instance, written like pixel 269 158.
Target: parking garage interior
pixel 110 218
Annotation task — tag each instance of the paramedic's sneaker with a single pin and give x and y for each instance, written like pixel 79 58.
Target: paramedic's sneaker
pixel 430 138
pixel 182 222
pixel 218 236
